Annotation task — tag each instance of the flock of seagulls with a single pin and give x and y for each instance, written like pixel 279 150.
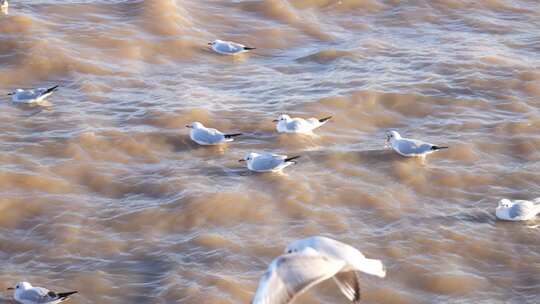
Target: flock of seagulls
pixel 307 262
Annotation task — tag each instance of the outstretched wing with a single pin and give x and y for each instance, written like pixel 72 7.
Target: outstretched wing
pixel 349 283
pixel 292 274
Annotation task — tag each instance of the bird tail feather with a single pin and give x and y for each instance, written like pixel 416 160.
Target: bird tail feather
pixel 247 48
pixel 232 135
pixel 52 89
pixel 64 295
pixel 373 267
pixel 323 120
pixel 291 158
pixel 435 148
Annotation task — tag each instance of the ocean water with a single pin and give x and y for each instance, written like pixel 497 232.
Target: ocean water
pixel 103 191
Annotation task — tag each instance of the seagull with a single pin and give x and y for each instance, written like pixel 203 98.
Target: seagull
pixel 4 5
pixel 518 210
pixel 410 147
pixel 286 124
pixel 308 262
pixel 208 136
pixel 229 47
pixel 267 162
pixel 25 293
pixel 30 96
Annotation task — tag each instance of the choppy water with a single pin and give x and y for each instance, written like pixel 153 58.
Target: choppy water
pixel 104 193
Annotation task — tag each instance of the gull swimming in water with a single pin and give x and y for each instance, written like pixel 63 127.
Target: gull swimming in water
pixel 267 162
pixel 25 293
pixel 286 124
pixel 410 147
pixel 208 136
pixel 308 262
pixel 31 96
pixel 229 47
pixel 518 210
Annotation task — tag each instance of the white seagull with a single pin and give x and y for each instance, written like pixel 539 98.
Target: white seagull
pixel 267 162
pixel 30 96
pixel 25 293
pixel 4 5
pixel 410 147
pixel 229 47
pixel 518 210
pixel 286 124
pixel 308 262
pixel 208 136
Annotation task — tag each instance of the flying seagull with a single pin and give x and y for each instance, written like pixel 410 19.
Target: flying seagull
pixel 268 162
pixel 208 136
pixel 30 96
pixel 518 210
pixel 4 5
pixel 308 262
pixel 25 293
pixel 229 47
pixel 410 147
pixel 286 124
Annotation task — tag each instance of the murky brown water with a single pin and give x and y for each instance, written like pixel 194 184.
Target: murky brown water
pixel 104 193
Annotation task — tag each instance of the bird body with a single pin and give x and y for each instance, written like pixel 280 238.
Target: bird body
pixel 310 261
pixel 518 210
pixel 410 147
pixel 31 96
pixel 209 136
pixel 286 124
pixel 229 47
pixel 25 293
pixel 4 5
pixel 268 162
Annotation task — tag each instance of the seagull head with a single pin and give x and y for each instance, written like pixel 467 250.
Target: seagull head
pixel 503 209
pixel 505 203
pixel 392 135
pixel 215 42
pixel 21 286
pixel 195 125
pixel 282 117
pixel 249 157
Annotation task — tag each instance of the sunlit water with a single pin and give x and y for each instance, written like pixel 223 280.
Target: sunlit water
pixel 103 191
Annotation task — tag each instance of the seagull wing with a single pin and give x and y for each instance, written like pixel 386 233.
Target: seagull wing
pixel 412 146
pixel 208 135
pixel 267 162
pixel 292 274
pixel 349 283
pixel 38 295
pixel 521 209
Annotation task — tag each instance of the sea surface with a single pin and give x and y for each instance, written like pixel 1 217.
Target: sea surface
pixel 103 192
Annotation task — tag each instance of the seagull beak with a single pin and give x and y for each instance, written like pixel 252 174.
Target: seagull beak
pixel 10 288
pixel 188 126
pixel 241 160
pixel 209 43
pixel 275 120
pixel 9 94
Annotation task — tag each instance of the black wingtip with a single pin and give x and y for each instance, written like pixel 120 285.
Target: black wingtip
pixel 325 119
pixel 435 148
pixel 292 158
pixel 64 295
pixel 232 135
pixel 51 89
pixel 247 48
